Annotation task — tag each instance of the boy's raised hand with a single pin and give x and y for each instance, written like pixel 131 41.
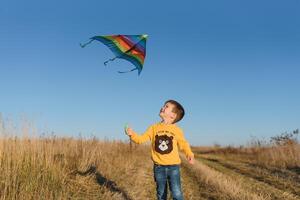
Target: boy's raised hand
pixel 128 130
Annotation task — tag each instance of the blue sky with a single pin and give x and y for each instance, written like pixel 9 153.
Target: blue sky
pixel 234 65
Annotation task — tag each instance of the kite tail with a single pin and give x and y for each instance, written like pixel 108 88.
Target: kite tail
pixel 127 71
pixel 112 59
pixel 89 42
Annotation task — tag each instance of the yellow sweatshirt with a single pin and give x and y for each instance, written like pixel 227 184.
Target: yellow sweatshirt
pixel 166 140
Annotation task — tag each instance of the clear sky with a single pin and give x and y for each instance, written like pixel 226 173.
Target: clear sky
pixel 234 65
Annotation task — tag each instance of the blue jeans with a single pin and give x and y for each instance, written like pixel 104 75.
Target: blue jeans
pixel 165 175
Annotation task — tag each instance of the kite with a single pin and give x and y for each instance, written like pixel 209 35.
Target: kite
pixel 129 47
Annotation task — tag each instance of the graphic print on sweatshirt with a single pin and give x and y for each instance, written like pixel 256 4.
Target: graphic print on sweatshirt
pixel 163 144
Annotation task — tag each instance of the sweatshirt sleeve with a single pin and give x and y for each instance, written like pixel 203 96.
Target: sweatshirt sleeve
pixel 184 145
pixel 139 139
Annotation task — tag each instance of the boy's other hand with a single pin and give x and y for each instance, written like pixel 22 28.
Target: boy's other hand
pixel 191 159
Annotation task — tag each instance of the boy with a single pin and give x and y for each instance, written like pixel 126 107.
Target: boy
pixel 164 137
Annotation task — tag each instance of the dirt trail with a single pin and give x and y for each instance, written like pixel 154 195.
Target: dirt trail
pixel 202 190
pixel 214 184
pixel 282 181
pixel 255 178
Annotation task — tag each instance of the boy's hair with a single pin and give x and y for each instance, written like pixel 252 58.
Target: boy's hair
pixel 178 109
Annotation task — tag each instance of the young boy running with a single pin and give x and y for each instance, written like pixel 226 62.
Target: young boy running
pixel 166 140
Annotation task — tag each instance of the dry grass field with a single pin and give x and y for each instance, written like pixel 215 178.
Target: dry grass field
pixel 266 173
pixel 68 168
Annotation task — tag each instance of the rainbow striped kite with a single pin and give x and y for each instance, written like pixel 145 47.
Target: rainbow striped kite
pixel 128 47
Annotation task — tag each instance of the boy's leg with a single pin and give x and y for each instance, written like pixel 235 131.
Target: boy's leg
pixel 174 182
pixel 160 176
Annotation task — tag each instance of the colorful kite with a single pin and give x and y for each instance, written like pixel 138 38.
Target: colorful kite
pixel 128 47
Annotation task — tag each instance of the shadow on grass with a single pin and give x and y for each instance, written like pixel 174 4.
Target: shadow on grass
pixel 295 169
pixel 102 181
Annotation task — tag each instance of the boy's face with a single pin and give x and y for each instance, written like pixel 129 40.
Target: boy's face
pixel 167 114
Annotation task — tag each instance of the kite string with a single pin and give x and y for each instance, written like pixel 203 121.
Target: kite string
pixel 121 72
pixel 112 59
pixel 89 42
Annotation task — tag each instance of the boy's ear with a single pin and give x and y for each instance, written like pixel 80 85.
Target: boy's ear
pixel 173 116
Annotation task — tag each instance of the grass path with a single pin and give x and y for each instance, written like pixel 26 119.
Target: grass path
pixel 254 179
pixel 223 185
pixel 281 181
pixel 202 190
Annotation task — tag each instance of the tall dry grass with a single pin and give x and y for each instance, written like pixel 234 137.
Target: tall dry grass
pixel 58 168
pixel 285 156
pixel 281 151
pixel 48 167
